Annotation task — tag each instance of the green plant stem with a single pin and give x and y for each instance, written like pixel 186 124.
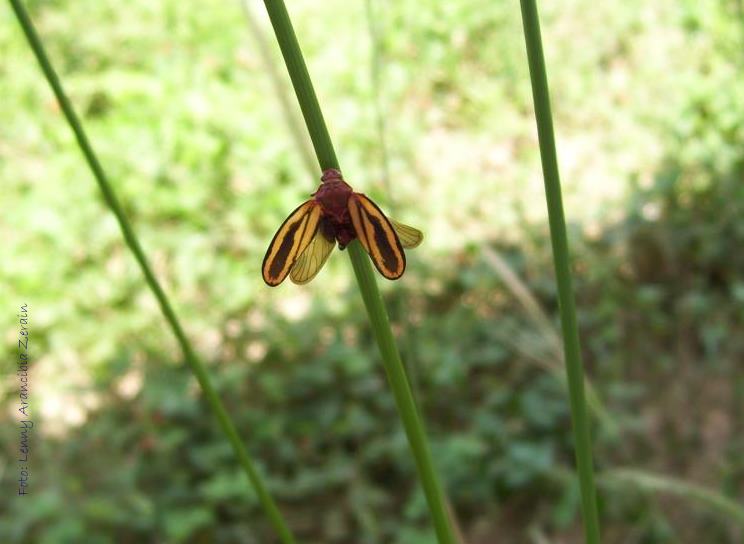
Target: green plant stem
pixel 365 276
pixel 376 67
pixel 402 391
pixel 197 367
pixel 296 129
pixel 558 237
pixel 303 87
pixel 656 483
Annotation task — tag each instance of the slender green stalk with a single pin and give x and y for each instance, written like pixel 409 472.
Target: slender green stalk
pixel 572 352
pixel 396 311
pixel 294 124
pixel 656 483
pixel 376 66
pixel 365 276
pixel 535 312
pixel 301 82
pixel 376 35
pixel 197 367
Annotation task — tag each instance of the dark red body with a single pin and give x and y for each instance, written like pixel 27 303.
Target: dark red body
pixel 333 197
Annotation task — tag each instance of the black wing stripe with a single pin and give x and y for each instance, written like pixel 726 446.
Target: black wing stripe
pixel 390 258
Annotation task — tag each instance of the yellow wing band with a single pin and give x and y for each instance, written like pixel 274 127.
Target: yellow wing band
pixel 290 241
pixel 409 237
pixel 377 235
pixel 312 259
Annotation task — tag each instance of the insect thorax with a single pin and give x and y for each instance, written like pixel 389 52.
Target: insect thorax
pixel 333 196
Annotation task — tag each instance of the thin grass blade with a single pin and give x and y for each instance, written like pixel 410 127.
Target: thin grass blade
pixel 378 316
pixel 197 367
pixel 559 241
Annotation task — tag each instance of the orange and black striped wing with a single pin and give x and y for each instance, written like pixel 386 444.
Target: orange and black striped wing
pixel 290 241
pixel 377 235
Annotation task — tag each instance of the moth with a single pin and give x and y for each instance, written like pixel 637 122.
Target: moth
pixel 336 213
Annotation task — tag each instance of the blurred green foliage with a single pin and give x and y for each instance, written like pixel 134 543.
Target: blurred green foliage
pixel 176 100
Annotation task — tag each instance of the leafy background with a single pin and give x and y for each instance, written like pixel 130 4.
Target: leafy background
pixel 177 99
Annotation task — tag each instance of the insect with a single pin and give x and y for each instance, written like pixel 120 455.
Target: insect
pixel 336 213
